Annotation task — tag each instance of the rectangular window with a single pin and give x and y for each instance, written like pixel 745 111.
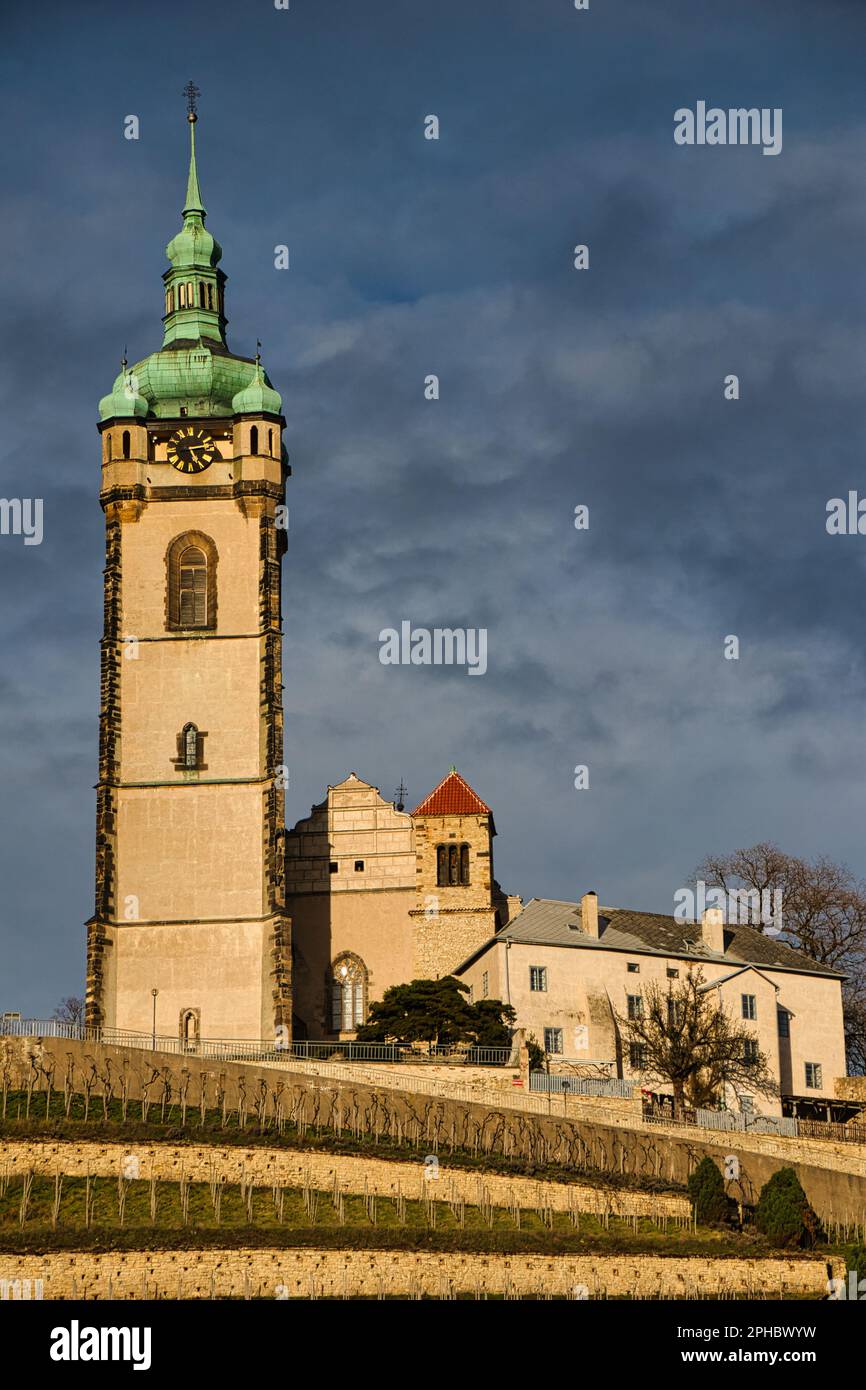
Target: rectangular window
pixel 813 1076
pixel 750 1007
pixel 485 985
pixel 633 968
pixel 637 1056
pixel 635 1005
pixel 784 1023
pixel 675 1012
pixel 359 866
pixel 332 867
pixel 672 973
pixel 538 979
pixel 553 1040
pixel 193 596
pixel 750 1051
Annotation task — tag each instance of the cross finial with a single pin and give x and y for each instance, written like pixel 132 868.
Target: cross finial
pixel 123 358
pixel 192 94
pixel 400 797
pixel 258 351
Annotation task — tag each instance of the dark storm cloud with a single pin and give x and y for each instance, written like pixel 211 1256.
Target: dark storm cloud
pixel 557 388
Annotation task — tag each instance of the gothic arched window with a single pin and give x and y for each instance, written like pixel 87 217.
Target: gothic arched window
pixel 189 1027
pixel 348 993
pixel 452 866
pixel 191 591
pixel 125 444
pixel 189 745
pixel 254 439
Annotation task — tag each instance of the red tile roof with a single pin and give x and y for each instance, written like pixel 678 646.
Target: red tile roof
pixel 453 797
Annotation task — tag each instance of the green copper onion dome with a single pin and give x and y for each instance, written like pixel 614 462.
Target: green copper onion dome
pixel 194 372
pixel 124 400
pixel 258 398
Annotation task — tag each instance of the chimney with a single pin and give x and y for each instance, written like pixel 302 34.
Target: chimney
pixel 589 915
pixel 713 929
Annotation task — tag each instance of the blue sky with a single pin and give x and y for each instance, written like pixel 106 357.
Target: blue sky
pixel 557 388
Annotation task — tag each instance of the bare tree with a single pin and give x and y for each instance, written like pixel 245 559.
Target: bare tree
pixel 693 1044
pixel 823 905
pixel 69 1010
pixel 823 915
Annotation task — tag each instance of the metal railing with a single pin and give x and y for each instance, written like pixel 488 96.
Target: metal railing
pixel 580 1085
pixel 263 1050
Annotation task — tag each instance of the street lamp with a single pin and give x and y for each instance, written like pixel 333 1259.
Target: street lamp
pixel 566 1087
pixel 154 992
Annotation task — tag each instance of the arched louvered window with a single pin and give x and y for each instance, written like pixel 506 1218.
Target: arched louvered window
pixel 452 866
pixel 348 993
pixel 191 582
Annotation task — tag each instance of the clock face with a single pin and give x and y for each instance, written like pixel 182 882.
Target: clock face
pixel 191 450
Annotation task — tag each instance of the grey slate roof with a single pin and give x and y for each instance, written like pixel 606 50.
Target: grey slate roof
pixel 548 922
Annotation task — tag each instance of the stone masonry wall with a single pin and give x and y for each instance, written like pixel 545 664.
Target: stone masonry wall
pixel 282 1274
pixel 294 1168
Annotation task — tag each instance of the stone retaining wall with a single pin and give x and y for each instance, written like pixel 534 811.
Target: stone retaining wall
pixel 308 1274
pixel 291 1168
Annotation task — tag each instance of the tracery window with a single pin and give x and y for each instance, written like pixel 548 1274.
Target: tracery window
pixel 348 993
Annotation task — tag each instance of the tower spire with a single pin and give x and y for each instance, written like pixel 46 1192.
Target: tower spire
pixel 193 203
pixel 194 309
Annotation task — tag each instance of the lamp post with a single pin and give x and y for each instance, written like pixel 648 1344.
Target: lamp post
pixel 566 1087
pixel 154 992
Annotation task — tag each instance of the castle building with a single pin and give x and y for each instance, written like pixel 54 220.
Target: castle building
pixel 190 933
pixel 378 896
pixel 213 921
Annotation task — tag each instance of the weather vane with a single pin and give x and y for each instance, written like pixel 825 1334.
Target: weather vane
pixel 400 797
pixel 192 94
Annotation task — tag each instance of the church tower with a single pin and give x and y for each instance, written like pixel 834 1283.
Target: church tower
pixel 190 936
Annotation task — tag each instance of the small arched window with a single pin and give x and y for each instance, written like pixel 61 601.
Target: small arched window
pixel 108 447
pixel 202 294
pixel 190 745
pixel 271 443
pixel 189 1027
pixel 254 439
pixel 452 866
pixel 168 301
pixel 348 993
pixel 191 582
pixel 125 444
